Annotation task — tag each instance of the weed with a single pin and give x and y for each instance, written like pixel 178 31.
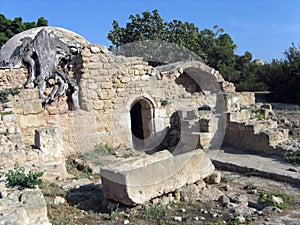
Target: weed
pixel 53 190
pixel 266 197
pixel 18 178
pixel 252 172
pixel 259 114
pixel 127 155
pixel 226 179
pixel 6 92
pixel 250 187
pixel 6 113
pixel 94 155
pixel 154 212
pixel 292 157
pixel 114 215
pixel 78 172
pixel 164 102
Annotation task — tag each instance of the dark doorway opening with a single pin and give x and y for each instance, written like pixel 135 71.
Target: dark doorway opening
pixel 141 122
pixel 136 121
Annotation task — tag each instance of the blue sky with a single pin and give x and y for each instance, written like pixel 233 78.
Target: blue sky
pixel 266 28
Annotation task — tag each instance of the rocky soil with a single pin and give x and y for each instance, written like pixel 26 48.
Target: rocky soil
pixel 233 199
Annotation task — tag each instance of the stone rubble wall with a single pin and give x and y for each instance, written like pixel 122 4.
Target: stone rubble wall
pixel 12 78
pixel 111 84
pixel 259 137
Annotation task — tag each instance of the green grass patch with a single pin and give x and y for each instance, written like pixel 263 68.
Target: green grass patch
pixel 153 212
pixel 266 197
pixel 95 155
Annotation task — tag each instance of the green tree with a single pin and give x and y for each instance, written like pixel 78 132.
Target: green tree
pixel 214 47
pixel 285 76
pixel 9 28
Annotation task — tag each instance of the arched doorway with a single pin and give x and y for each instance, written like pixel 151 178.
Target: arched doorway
pixel 141 115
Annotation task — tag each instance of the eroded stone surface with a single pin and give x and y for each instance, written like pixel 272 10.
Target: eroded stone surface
pixel 138 184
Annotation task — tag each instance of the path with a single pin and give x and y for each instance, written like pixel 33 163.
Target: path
pixel 240 161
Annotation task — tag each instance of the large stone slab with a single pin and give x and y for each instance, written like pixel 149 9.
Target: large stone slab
pixel 135 182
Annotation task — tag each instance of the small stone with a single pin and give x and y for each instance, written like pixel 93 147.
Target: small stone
pixel 3 194
pixel 215 178
pixel 252 192
pixel 240 219
pixel 59 200
pixel 190 193
pixel 182 210
pixel 94 49
pixel 223 200
pixel 202 218
pixel 178 218
pixel 240 199
pixel 196 218
pixel 126 222
pixel 260 213
pixel 155 201
pixel 200 184
pixel 227 188
pixel 267 219
pixel 277 200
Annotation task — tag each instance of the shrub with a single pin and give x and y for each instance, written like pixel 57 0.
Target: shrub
pixel 6 92
pixel 164 102
pixel 18 178
pixel 292 157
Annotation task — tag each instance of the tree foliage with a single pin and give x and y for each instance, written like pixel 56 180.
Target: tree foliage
pixel 217 49
pixel 9 28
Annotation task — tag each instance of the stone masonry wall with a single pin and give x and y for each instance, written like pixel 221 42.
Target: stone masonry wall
pixel 10 78
pixel 111 84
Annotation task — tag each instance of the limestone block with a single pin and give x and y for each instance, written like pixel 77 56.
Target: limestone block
pixel 35 205
pixel 242 115
pixel 94 49
pixel 53 110
pixel 125 79
pixel 35 120
pixel 49 141
pixel 106 85
pixel 146 178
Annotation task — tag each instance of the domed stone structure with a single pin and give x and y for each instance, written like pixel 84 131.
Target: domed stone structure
pixel 10 48
pixel 259 62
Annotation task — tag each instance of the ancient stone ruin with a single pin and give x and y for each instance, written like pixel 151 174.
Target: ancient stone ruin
pixel 74 95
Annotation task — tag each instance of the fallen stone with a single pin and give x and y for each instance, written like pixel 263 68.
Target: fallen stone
pixel 178 218
pixel 212 194
pixel 223 200
pixel 148 177
pixel 277 200
pixel 190 193
pixel 215 178
pixel 59 200
pixel 240 219
pixel 23 207
pixel 239 199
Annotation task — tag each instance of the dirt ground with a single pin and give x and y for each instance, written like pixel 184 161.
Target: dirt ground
pixel 86 205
